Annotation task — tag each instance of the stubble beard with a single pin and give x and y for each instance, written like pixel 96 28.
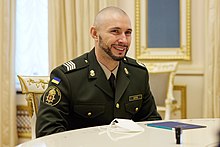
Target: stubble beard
pixel 108 51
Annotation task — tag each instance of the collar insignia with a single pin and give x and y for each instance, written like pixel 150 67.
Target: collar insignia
pixel 126 71
pixel 92 73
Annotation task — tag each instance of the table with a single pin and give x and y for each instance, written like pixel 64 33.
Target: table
pixel 151 137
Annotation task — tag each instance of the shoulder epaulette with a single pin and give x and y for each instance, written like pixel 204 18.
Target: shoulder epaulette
pixel 133 62
pixel 70 65
pixel 75 64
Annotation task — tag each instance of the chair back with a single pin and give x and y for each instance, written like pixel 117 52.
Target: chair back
pixel 33 87
pixel 159 83
pixel 161 80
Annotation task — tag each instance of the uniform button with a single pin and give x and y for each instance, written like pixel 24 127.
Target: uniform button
pixel 136 109
pixel 89 113
pixel 117 105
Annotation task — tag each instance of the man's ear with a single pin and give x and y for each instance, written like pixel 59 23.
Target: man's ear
pixel 93 33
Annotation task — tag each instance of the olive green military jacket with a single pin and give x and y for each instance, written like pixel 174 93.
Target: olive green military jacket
pixel 79 95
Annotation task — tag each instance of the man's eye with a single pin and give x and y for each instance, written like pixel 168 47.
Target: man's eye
pixel 114 31
pixel 128 33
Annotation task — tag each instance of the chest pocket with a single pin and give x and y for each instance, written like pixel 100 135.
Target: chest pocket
pixel 133 107
pixel 89 110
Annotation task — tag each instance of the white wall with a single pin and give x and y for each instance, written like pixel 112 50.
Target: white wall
pixel 192 73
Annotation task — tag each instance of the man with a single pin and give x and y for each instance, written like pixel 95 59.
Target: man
pixel 79 94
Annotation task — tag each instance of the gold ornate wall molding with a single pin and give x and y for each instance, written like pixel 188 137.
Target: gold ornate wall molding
pixel 181 105
pixel 143 52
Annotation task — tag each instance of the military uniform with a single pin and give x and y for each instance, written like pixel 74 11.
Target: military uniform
pixel 79 95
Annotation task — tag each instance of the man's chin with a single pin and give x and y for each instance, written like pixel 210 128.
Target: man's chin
pixel 118 58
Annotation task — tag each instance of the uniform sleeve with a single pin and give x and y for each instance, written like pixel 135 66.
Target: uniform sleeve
pixel 53 110
pixel 148 110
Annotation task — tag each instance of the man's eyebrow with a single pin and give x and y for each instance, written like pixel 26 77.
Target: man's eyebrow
pixel 130 30
pixel 118 28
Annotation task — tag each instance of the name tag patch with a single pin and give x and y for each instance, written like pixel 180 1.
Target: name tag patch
pixel 135 97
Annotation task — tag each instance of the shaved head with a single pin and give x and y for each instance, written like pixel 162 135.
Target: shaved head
pixel 112 34
pixel 106 13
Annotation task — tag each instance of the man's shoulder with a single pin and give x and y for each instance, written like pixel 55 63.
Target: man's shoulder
pixel 75 64
pixel 132 62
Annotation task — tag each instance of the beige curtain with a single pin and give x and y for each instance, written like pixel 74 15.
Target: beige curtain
pixel 8 132
pixel 212 71
pixel 69 23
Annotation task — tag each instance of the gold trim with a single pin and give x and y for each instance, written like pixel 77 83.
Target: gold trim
pixel 182 53
pixel 24 135
pixel 29 98
pixel 39 83
pixel 182 108
pixel 190 74
pixel 36 102
pixel 33 86
pixel 137 27
pixel 24 88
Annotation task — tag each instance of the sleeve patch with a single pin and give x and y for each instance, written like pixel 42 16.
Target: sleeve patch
pixel 56 80
pixel 52 96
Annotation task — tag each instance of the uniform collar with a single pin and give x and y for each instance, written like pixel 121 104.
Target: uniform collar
pixel 108 72
pixel 94 69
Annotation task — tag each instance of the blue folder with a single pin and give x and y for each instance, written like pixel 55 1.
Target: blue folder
pixel 174 124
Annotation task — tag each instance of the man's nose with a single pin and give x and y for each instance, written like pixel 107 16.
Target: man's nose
pixel 123 38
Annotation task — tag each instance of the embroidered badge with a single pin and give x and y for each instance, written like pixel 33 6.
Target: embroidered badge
pixel 56 80
pixel 135 97
pixel 52 96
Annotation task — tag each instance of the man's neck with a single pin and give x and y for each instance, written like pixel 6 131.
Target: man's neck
pixel 109 63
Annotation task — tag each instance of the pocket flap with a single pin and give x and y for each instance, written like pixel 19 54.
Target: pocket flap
pixel 89 110
pixel 133 107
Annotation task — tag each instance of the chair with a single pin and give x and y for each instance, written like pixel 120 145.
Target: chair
pixel 161 79
pixel 33 87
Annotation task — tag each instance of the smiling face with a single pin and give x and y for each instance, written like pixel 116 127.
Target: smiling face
pixel 112 34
